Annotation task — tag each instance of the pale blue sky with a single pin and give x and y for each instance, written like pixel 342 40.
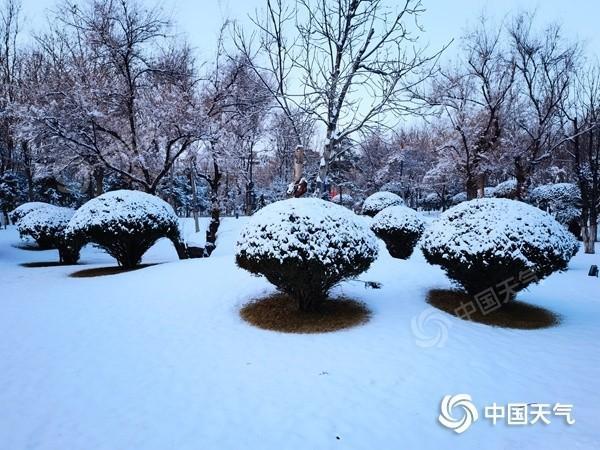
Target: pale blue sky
pixel 445 19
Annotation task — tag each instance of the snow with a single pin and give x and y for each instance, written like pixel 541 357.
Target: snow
pixel 506 189
pixel 398 217
pixel 159 358
pixel 45 220
pixel 347 199
pixel 380 200
pixel 561 199
pixel 119 210
pixel 307 228
pixel 21 211
pixel 500 226
pixel 459 198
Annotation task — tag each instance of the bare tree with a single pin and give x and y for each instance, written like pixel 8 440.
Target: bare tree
pixel 10 22
pixel 473 97
pixel 582 112
pixel 122 94
pixel 348 64
pixel 545 64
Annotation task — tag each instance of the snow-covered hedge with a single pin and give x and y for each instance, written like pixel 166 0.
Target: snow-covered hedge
pixel 395 187
pixel 305 246
pixel 561 199
pixel 46 225
pixel 491 243
pixel 431 201
pixel 400 227
pixel 125 224
pixel 345 199
pixel 506 189
pixel 379 201
pixel 459 198
pixel 489 191
pixel 21 211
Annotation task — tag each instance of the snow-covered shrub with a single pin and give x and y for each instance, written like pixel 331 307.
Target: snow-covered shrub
pixel 305 246
pixel 562 200
pixel 379 201
pixel 400 227
pixel 395 187
pixel 489 191
pixel 506 189
pixel 21 211
pixel 459 198
pixel 125 224
pixel 488 244
pixel 46 225
pixel 344 199
pixel 431 201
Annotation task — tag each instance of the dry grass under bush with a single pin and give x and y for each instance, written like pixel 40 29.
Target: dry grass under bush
pixel 514 314
pixel 102 271
pixel 279 312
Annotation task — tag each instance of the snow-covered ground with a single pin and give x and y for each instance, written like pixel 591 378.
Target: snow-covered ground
pixel 159 359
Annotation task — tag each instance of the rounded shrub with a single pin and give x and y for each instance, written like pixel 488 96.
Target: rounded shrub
pixel 506 189
pixel 125 224
pixel 379 201
pixel 306 246
pixel 497 246
pixel 400 227
pixel 21 211
pixel 47 225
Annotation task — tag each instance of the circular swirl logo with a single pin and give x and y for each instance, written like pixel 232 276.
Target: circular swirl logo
pixel 430 328
pixel 469 412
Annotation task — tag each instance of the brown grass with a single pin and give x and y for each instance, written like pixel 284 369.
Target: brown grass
pixel 45 264
pixel 514 314
pixel 102 271
pixel 279 312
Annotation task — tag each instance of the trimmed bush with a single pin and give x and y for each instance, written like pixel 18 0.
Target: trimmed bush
pixel 400 227
pixel 562 200
pixel 21 211
pixel 506 189
pixel 306 246
pixel 379 201
pixel 458 198
pixel 498 246
pixel 345 200
pixel 46 225
pixel 125 224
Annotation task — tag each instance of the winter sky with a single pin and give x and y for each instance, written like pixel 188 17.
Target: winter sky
pixel 200 20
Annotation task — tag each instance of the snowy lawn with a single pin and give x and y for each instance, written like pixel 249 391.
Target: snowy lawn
pixel 159 359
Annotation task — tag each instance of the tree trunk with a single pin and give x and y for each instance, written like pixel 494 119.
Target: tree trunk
pixel 471 187
pixel 322 181
pixel 98 181
pixel 588 233
pixel 522 179
pixel 194 196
